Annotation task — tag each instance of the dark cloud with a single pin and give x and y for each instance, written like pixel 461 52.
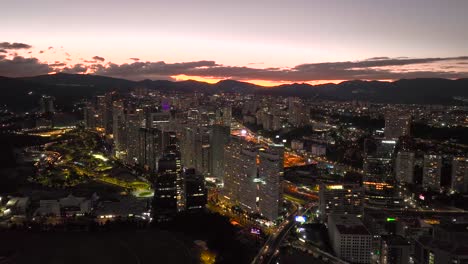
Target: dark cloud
pixel 88 61
pixel 101 59
pixel 134 59
pixel 41 51
pixel 58 64
pixel 14 45
pixel 3 51
pixel 49 48
pixel 369 69
pixel 77 68
pixel 148 69
pixel 20 67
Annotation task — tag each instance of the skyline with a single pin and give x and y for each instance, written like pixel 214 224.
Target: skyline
pixel 263 42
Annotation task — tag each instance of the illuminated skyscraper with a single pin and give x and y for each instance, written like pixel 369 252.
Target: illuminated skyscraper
pixel 220 136
pixel 460 174
pixel 340 199
pixel 169 197
pixel 432 168
pixel 404 167
pixel 240 173
pixel 46 104
pixel 397 124
pixel 271 172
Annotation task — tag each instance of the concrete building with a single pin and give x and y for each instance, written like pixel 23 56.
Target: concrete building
pixel 350 239
pixel 397 124
pixel 271 172
pixel 460 174
pixel 432 169
pixel 340 199
pixel 404 167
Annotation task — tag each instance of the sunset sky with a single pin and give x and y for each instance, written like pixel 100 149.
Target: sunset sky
pixel 265 41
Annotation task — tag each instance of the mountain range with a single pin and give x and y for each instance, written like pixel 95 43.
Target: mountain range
pixel 21 93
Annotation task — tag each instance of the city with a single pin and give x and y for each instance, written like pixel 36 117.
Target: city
pixel 140 161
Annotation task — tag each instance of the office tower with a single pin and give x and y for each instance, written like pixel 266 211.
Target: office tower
pixel 395 250
pixel 224 116
pixel 119 129
pixel 89 117
pixel 378 162
pixel 340 199
pixel 220 136
pixel 240 174
pixel 134 120
pixel 447 244
pixel 107 112
pixel 432 168
pixel 397 124
pixel 150 147
pixel 195 191
pixel 169 196
pixel 350 239
pixel 46 104
pixel 378 166
pixel 270 173
pixel 155 119
pixel 298 113
pixel 460 174
pixel 195 148
pixel 404 167
pixel 101 110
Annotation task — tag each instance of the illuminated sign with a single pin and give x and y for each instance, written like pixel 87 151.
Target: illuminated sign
pixel 255 231
pixel 335 187
pixel 300 219
pixel 391 219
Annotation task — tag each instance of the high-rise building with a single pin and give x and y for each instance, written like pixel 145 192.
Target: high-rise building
pixel 220 136
pixel 395 250
pixel 134 120
pixel 240 174
pixel 397 124
pixel 404 167
pixel 460 174
pixel 150 147
pixel 119 129
pixel 350 239
pixel 270 172
pixel 298 113
pixel 432 169
pixel 46 104
pixel 169 197
pixel 89 116
pixel 340 199
pixel 195 191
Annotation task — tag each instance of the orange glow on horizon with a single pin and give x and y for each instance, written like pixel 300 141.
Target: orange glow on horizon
pixel 265 83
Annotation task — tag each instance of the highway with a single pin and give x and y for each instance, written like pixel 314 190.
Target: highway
pixel 269 249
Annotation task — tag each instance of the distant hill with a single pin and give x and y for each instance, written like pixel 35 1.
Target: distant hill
pixel 69 88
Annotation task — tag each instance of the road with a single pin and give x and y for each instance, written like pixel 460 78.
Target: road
pixel 269 249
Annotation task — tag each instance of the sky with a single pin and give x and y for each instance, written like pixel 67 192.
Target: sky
pixel 266 42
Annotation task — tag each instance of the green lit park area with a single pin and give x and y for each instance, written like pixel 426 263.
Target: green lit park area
pixel 78 157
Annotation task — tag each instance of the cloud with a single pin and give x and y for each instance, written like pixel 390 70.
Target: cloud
pixel 14 45
pixel 376 68
pixel 49 48
pixel 101 59
pixel 40 52
pixel 143 70
pixel 370 69
pixel 77 68
pixel 3 51
pixel 20 67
